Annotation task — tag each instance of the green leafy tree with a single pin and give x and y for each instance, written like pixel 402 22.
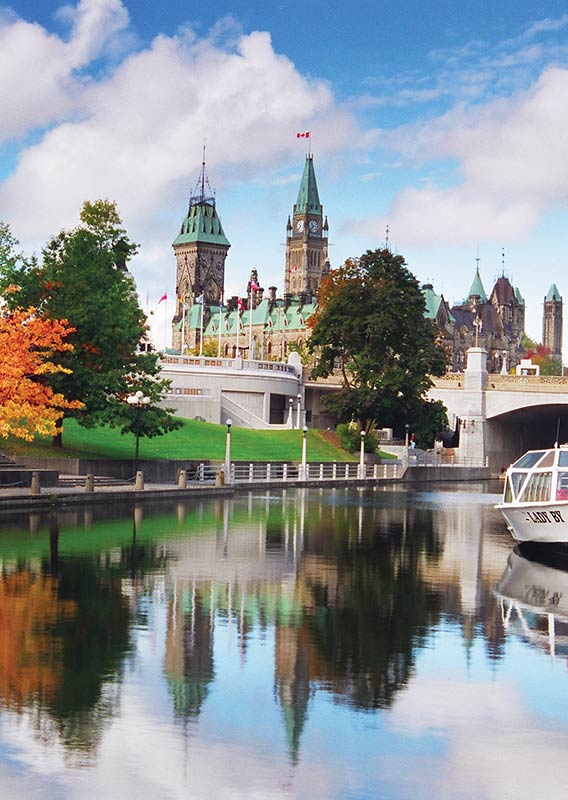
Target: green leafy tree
pixel 83 278
pixel 370 326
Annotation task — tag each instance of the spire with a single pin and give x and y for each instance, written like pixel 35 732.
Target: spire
pixel 477 287
pixel 553 294
pixel 202 223
pixel 308 201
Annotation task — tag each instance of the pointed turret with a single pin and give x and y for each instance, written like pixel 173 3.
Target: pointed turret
pixel 476 289
pixel 553 293
pixel 308 201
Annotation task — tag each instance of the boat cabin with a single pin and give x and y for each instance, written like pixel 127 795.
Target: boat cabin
pixel 540 476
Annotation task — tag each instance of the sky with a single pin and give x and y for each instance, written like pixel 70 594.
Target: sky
pixel 444 121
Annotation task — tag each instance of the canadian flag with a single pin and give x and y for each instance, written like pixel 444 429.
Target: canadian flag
pixel 254 286
pixel 304 135
pixel 240 304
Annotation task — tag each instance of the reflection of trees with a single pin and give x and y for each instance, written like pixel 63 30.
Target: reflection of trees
pixel 370 608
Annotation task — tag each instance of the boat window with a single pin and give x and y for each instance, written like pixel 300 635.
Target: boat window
pixel 548 460
pixel 537 488
pixel 508 493
pixel 562 486
pixel 517 479
pixel 529 459
pixel 563 458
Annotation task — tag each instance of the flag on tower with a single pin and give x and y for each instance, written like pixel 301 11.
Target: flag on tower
pixel 163 297
pixel 254 286
pixel 240 304
pixel 304 135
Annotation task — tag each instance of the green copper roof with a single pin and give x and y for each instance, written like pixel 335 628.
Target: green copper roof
pixel 308 201
pixel 202 225
pixel 477 288
pixel 553 293
pixel 518 296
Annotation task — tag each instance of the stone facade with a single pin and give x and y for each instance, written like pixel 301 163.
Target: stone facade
pixel 552 322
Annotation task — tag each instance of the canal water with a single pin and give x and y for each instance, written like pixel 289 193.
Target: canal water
pixel 300 644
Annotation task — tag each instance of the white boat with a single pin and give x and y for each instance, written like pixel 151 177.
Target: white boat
pixel 535 496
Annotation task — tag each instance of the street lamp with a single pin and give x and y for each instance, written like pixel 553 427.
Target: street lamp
pixel 304 452
pixel 290 417
pixel 298 410
pixel 362 456
pixel 139 401
pixel 228 453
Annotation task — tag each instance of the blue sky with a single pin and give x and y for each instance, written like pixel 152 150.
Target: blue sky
pixel 445 121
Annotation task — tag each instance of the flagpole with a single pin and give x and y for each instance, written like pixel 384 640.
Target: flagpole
pixel 182 324
pixel 250 324
pixel 238 327
pixel 201 326
pixel 166 325
pixel 220 322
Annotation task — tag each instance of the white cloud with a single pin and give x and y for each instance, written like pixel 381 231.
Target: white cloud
pixel 512 167
pixel 39 82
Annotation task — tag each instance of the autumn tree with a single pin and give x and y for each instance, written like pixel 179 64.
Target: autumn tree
pixel 370 326
pixel 28 345
pixel 83 277
pixel 542 356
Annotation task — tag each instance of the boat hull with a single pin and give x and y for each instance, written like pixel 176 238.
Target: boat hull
pixel 544 523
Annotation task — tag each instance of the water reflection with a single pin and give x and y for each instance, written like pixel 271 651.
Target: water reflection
pixel 534 599
pixel 304 598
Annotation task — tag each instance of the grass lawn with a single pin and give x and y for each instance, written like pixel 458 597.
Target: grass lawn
pixel 195 440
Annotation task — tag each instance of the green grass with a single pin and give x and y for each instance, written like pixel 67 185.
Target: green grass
pixel 194 440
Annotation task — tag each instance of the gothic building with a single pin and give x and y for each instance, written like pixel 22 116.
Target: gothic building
pixel 552 323
pixel 496 323
pixel 259 325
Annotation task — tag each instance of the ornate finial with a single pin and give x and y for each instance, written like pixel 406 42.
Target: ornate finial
pixel 477 260
pixel 502 262
pixel 387 238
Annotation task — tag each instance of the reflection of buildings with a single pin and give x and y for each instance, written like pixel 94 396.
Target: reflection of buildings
pixel 189 651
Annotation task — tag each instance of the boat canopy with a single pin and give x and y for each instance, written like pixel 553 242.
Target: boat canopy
pixel 539 476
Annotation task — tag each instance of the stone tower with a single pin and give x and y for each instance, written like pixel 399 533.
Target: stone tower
pixel 200 249
pixel 306 238
pixel 552 323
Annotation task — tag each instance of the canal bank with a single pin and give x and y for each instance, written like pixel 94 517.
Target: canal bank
pixel 85 491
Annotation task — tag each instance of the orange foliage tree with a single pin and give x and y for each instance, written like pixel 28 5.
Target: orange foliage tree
pixel 28 406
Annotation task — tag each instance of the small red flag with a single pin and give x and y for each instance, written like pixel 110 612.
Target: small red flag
pixel 305 135
pixel 163 297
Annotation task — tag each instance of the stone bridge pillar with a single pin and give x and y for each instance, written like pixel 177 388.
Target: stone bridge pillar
pixel 472 433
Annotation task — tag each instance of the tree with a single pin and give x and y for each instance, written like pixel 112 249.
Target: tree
pixel 83 277
pixel 28 405
pixel 370 325
pixel 541 355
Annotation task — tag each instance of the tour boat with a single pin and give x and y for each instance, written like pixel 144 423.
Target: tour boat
pixel 535 497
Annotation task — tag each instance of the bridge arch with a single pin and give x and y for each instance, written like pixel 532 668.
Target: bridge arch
pixel 509 434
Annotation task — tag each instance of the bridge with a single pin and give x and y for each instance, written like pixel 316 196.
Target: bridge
pixel 501 416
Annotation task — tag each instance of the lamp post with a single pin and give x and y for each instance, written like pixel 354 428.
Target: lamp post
pixel 139 401
pixel 304 452
pixel 298 410
pixel 290 414
pixel 228 453
pixel 362 456
pixel 406 430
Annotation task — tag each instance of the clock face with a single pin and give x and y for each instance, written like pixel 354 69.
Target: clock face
pixel 313 226
pixel 300 226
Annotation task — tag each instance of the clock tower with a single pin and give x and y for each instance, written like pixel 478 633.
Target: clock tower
pixel 306 238
pixel 200 249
